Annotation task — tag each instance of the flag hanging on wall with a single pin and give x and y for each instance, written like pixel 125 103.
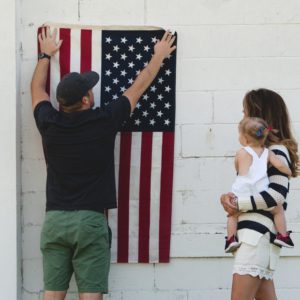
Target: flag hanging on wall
pixel 144 148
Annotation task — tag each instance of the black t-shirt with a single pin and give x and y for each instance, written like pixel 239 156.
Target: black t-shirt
pixel 79 153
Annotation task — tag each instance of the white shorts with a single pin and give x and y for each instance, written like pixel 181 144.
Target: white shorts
pixel 259 260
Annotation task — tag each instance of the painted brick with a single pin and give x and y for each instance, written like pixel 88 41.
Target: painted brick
pixel 54 11
pixel 225 74
pixel 111 12
pixel 194 274
pixel 129 277
pixel 158 295
pixel 204 140
pixel 33 279
pixel 194 12
pixel 245 41
pixel 194 108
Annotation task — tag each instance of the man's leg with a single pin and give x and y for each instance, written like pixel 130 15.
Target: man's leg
pixel 50 295
pixel 90 296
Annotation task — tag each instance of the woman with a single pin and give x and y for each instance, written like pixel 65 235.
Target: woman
pixel 256 259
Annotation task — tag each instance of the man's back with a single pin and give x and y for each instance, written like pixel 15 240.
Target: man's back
pixel 79 152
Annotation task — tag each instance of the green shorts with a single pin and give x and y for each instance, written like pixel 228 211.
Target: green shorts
pixel 76 242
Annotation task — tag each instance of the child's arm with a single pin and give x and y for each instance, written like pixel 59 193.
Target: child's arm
pixel 243 161
pixel 278 164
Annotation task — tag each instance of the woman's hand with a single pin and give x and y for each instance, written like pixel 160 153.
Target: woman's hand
pixel 164 47
pixel 229 205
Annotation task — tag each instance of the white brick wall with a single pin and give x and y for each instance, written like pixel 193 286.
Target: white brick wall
pixel 225 48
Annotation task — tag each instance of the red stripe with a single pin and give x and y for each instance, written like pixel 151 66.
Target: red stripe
pixel 65 51
pixel 48 74
pixel 123 199
pixel 86 51
pixel 167 162
pixel 145 196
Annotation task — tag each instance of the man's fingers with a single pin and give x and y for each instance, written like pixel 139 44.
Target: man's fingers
pixel 54 33
pixel 164 36
pixel 59 44
pixel 43 33
pixel 173 48
pixel 172 40
pixel 48 32
pixel 40 37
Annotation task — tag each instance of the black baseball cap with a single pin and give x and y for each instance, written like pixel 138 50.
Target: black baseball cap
pixel 73 86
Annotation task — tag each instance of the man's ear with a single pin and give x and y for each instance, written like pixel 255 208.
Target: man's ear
pixel 85 100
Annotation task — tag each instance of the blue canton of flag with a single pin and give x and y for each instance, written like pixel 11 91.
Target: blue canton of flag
pixel 125 53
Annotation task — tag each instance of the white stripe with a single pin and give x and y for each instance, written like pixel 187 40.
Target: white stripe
pixel 113 213
pixel 155 197
pixel 96 62
pixel 75 50
pixel 134 190
pixel 54 76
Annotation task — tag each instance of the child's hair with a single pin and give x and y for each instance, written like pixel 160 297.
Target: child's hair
pixel 256 130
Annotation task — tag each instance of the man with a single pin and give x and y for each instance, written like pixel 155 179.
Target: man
pixel 79 152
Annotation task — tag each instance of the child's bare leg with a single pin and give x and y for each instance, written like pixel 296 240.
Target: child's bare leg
pixel 279 219
pixel 232 225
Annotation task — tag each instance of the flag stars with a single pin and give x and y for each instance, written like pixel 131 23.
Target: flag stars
pixel 137 72
pixel 167 105
pixel 168 72
pixel 116 48
pixel 154 39
pixel 123 40
pixel 145 64
pixel 131 64
pixel 108 40
pixel 108 56
pixel 107 89
pixel 145 113
pixel 115 97
pixel 145 97
pixel 123 56
pixel 159 113
pixel 138 105
pixel 167 89
pixel 153 88
pixel 123 89
pixel 160 97
pixel 123 73
pixel 152 122
pixel 116 81
pixel 152 105
pixel 160 80
pixel 137 122
pixel 139 40
pixel 116 65
pixel 130 81
pixel 139 56
pixel 167 122
pixel 146 48
pixel 131 48
pixel 108 72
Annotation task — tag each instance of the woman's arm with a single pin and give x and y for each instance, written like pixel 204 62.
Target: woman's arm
pixel 276 192
pixel 279 164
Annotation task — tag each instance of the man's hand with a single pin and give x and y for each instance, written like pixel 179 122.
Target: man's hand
pixel 47 41
pixel 163 48
pixel 227 200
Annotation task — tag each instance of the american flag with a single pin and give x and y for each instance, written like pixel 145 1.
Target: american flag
pixel 144 148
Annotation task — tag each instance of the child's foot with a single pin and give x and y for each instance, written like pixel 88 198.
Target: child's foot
pixel 231 244
pixel 284 240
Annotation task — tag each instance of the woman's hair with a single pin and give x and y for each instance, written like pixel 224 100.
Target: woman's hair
pixel 256 130
pixel 269 106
